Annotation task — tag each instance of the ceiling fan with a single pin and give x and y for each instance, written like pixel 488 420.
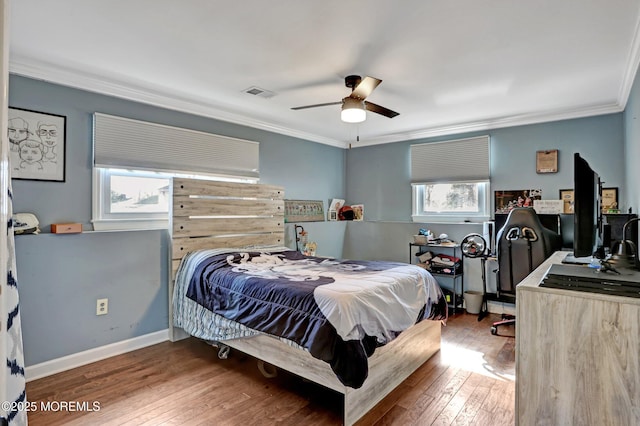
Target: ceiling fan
pixel 354 105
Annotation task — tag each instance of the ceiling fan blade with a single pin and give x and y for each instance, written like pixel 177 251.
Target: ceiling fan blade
pixel 365 87
pixel 380 109
pixel 317 105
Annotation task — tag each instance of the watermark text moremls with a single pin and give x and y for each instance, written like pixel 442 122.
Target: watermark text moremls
pixel 67 406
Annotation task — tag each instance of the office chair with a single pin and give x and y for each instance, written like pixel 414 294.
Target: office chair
pixel 521 246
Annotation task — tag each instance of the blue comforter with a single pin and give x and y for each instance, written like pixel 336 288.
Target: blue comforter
pixel 279 300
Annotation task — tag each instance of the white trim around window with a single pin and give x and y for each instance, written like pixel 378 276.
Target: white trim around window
pixel 477 213
pixel 143 208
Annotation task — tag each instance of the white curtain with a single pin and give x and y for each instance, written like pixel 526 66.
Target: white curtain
pixel 12 381
pixel 13 385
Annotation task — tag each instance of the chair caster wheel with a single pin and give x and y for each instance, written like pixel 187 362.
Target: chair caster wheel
pixel 494 331
pixel 223 352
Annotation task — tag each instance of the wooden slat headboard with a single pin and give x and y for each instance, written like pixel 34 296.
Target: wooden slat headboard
pixel 211 214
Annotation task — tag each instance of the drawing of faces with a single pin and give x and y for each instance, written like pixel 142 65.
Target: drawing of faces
pixel 48 134
pixel 18 130
pixel 31 154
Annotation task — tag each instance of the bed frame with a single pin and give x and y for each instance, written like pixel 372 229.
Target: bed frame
pixel 209 214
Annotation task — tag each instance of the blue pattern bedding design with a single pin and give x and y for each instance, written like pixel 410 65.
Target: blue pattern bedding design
pixel 301 298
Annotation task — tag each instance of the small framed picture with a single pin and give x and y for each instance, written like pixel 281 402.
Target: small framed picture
pixel 37 145
pixel 334 207
pixel 547 161
pixel 358 211
pixel 566 195
pixel 610 200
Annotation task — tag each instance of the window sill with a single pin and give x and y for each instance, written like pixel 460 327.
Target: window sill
pixel 129 224
pixel 450 219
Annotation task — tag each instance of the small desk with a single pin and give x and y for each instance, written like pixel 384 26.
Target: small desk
pixel 577 355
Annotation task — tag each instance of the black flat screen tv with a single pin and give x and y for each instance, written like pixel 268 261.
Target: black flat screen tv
pixel 587 225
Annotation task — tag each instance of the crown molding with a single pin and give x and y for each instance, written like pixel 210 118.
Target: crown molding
pixel 137 93
pixel 156 97
pixel 497 123
pixel 633 60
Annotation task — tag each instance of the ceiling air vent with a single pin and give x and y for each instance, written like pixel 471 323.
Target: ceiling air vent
pixel 256 91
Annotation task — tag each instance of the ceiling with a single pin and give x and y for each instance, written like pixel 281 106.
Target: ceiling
pixel 447 66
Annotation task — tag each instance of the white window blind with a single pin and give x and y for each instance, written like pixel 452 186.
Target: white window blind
pixel 124 143
pixel 461 160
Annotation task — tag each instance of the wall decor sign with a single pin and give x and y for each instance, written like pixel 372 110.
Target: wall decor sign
pixel 547 161
pixel 566 195
pixel 548 206
pixel 303 211
pixel 37 145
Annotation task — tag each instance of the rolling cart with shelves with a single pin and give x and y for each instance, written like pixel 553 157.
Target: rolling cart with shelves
pixel 448 281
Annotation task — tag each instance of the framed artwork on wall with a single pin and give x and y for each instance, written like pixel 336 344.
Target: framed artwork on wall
pixel 37 145
pixel 303 211
pixel 334 206
pixel 547 161
pixel 566 195
pixel 610 200
pixel 358 211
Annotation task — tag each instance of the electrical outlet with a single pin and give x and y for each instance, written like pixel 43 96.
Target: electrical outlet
pixel 102 306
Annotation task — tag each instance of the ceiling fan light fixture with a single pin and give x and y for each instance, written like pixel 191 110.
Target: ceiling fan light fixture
pixel 353 110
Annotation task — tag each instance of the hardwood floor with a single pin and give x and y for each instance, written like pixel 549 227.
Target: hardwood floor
pixel 469 382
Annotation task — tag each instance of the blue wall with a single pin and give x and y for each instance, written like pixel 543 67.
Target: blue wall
pixel 632 145
pixel 307 170
pixel 379 178
pixel 61 276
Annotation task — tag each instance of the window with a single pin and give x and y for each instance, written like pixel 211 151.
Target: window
pixel 450 180
pixel 450 201
pixel 136 199
pixel 134 162
pixel 125 199
pixel 139 194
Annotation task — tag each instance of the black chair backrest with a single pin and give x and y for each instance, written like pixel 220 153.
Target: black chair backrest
pixel 522 245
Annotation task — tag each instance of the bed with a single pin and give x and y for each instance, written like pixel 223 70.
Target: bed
pixel 233 225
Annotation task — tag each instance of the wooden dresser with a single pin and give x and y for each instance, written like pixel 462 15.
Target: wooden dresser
pixel 577 355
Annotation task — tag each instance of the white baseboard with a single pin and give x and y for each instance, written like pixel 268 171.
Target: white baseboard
pixel 501 307
pixel 495 307
pixel 68 362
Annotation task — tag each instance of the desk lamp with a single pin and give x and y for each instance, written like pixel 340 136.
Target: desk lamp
pixel 626 256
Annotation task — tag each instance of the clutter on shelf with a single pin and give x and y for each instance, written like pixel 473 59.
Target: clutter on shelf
pixel 439 263
pixel 420 239
pixel 425 236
